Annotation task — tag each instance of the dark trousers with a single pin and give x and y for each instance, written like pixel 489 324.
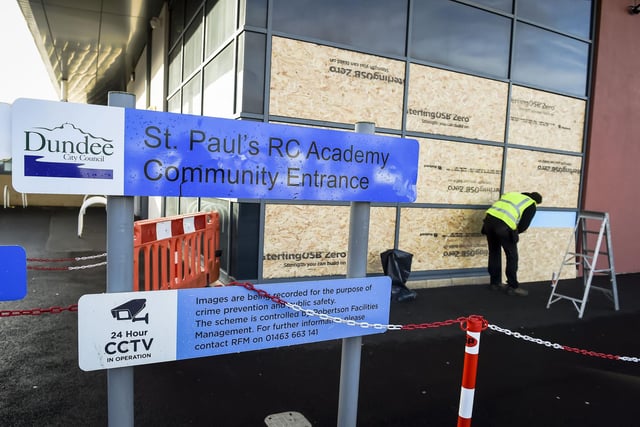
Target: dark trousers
pixel 500 237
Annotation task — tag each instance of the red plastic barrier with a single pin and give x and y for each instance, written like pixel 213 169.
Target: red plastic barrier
pixel 176 252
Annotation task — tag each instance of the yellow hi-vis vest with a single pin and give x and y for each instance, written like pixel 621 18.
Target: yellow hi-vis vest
pixel 510 207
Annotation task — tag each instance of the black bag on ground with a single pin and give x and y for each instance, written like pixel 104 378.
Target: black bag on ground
pixel 397 265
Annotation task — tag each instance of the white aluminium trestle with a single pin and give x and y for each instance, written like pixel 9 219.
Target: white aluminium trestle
pixel 591 232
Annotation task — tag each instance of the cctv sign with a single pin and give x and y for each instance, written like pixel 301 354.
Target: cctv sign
pixel 115 329
pixel 134 328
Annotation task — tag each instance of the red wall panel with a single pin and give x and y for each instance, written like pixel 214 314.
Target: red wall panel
pixel 612 169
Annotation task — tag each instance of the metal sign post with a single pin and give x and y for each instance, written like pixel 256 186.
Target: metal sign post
pixel 356 267
pixel 125 152
pixel 120 279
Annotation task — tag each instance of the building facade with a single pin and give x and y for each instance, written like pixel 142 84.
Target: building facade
pixel 502 95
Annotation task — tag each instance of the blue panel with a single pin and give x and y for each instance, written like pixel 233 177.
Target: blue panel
pixel 13 270
pixel 170 154
pixel 213 321
pixel 554 219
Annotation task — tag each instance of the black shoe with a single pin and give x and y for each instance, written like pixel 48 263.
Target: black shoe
pixel 498 287
pixel 406 294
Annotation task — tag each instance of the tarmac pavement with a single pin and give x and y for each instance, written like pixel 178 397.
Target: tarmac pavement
pixel 407 378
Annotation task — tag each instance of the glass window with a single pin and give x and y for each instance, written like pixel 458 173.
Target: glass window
pixel 170 206
pixel 504 5
pixel 220 22
pixel 176 26
pixel 5 167
pixel 188 205
pixel 476 40
pixel 192 96
pixel 567 16
pixel 175 69
pixel 254 12
pixel 192 7
pixel 251 64
pixel 174 104
pixel 192 47
pixel 378 25
pixel 548 60
pixel 219 85
pixel 222 207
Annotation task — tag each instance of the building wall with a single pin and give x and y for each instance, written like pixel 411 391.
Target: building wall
pixel 611 182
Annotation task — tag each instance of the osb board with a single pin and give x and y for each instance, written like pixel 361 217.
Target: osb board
pixel 442 239
pixel 543 119
pixel 313 240
pixel 458 173
pixel 541 251
pixel 318 82
pixel 454 104
pixel 382 232
pixel 555 176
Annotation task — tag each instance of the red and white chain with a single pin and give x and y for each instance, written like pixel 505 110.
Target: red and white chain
pixel 38 311
pixel 562 347
pixel 81 258
pixel 391 327
pixel 334 319
pixel 72 267
pixel 350 322
pixel 459 320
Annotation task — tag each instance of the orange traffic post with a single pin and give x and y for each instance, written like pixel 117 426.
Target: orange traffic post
pixel 473 326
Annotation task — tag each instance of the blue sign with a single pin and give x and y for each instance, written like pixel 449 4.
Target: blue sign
pixel 61 147
pixel 170 154
pixel 13 273
pixel 232 322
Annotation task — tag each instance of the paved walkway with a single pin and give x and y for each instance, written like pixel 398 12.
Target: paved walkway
pixel 408 378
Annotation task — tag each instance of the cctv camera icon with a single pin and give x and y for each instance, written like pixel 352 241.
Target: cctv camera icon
pixel 129 310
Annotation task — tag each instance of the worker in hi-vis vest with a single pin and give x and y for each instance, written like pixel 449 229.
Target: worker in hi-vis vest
pixel 504 221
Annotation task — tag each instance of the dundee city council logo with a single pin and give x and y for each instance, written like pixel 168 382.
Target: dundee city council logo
pixel 66 151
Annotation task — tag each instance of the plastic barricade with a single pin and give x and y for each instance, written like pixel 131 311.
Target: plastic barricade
pixel 176 252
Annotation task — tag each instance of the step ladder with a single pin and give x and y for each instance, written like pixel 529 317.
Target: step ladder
pixel 592 231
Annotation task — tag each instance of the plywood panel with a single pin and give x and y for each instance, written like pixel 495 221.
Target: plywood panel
pixel 455 104
pixel 318 82
pixel 555 176
pixel 458 173
pixel 543 119
pixel 313 240
pixel 441 239
pixel 382 232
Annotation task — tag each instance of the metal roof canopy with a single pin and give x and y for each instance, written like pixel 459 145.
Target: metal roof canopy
pixel 92 44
